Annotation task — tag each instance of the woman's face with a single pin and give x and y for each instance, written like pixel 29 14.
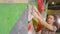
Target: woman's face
pixel 50 19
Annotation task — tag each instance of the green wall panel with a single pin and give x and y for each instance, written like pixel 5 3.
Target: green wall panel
pixel 9 14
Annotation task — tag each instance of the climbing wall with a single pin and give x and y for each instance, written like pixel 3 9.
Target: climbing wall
pixel 10 12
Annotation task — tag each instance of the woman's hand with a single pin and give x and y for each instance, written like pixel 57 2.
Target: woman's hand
pixel 36 10
pixel 34 13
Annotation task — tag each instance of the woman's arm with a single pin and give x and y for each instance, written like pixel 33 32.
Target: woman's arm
pixel 36 14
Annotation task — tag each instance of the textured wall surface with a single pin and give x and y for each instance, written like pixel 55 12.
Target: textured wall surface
pixel 9 15
pixel 21 25
pixel 10 12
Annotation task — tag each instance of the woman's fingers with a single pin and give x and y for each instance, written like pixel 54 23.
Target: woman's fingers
pixel 35 15
pixel 34 7
pixel 36 10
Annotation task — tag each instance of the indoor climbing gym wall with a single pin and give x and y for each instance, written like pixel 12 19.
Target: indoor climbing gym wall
pixel 10 12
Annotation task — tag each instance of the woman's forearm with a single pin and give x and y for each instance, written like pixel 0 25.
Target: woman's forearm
pixel 45 24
